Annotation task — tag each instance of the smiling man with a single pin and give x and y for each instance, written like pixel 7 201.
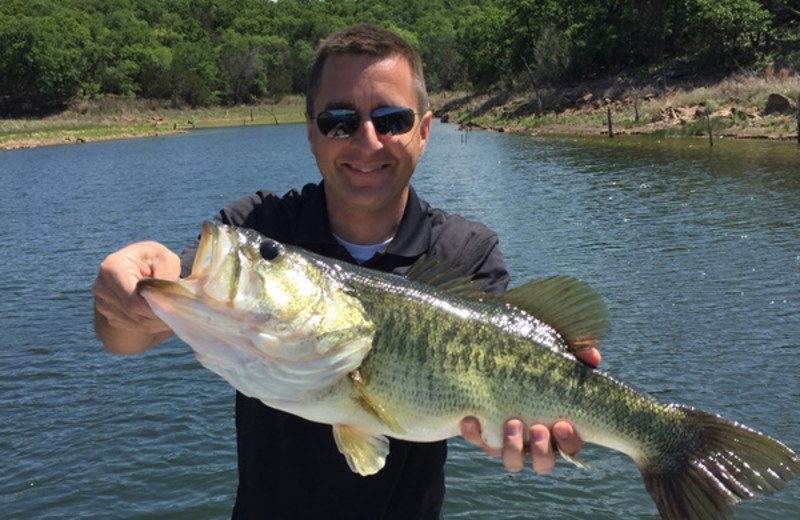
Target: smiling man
pixel 367 124
pixel 365 169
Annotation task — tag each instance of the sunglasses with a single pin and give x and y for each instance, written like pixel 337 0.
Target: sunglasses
pixel 341 123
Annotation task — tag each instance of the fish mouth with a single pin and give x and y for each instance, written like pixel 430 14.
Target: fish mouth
pixel 203 262
pixel 215 270
pixel 204 258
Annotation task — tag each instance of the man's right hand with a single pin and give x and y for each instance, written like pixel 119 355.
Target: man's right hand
pixel 122 319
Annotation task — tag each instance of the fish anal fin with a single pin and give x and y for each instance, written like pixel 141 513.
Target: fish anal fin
pixel 372 404
pixel 572 459
pixel 365 452
pixel 574 309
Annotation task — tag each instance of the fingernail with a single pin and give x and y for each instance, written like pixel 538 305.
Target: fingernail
pixel 513 429
pixel 539 435
pixel 563 434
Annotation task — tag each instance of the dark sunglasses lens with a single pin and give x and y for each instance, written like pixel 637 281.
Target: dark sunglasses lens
pixel 338 124
pixel 393 120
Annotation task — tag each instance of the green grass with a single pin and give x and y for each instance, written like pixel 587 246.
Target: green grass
pixel 126 117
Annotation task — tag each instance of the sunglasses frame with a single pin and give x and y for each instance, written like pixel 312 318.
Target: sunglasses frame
pixel 342 123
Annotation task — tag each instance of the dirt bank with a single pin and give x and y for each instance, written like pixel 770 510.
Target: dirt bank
pixel 748 106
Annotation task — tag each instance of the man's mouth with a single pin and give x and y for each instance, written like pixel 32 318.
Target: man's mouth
pixel 366 169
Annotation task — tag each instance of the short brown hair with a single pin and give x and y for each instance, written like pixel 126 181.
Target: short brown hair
pixel 370 40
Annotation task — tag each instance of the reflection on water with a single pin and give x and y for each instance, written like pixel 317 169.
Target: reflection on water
pixel 695 249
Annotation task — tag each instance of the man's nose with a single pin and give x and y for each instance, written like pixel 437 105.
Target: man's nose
pixel 366 136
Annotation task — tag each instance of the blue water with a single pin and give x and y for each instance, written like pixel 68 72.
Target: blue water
pixel 696 250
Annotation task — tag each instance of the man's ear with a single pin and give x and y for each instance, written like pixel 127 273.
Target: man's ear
pixel 424 129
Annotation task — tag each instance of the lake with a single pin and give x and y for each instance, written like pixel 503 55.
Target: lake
pixel 695 249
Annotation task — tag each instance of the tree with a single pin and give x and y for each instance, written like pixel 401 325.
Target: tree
pixel 244 72
pixel 732 31
pixel 42 60
pixel 484 43
pixel 195 73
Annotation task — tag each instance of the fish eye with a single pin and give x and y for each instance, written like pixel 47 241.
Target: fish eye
pixel 269 250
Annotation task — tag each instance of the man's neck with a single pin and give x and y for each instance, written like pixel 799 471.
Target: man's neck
pixel 366 227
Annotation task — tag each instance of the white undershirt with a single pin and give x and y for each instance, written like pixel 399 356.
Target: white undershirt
pixel 359 252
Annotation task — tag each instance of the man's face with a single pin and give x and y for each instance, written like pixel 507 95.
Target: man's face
pixel 367 171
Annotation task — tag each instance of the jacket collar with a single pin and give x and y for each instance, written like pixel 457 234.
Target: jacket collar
pixel 313 231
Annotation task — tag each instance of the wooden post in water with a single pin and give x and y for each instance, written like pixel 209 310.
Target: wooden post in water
pixel 798 119
pixel 710 134
pixel 610 127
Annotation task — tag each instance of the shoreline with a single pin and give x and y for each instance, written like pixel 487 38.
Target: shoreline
pixel 555 129
pixel 112 118
pixel 746 107
pixel 684 114
pixel 38 142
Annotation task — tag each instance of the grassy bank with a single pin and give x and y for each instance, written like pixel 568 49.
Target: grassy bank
pixel 118 118
pixel 738 107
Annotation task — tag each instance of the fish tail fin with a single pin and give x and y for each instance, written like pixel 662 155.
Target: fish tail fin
pixel 713 465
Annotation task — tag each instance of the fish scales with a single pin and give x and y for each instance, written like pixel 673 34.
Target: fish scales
pixel 457 359
pixel 377 355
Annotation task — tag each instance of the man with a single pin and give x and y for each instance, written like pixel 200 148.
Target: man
pixel 367 123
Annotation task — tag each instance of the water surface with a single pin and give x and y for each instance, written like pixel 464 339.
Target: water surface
pixel 696 250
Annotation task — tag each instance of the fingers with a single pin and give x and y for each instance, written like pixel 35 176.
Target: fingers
pixel 566 438
pixel 115 293
pixel 543 447
pixel 543 459
pixel 543 443
pixel 513 451
pixel 471 431
pixel 591 357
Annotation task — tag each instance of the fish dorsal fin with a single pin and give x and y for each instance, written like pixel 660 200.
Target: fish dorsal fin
pixel 575 310
pixel 446 277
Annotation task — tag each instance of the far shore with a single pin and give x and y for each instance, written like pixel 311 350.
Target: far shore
pixel 748 107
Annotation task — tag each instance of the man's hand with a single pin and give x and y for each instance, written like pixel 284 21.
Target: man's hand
pixel 123 320
pixel 541 437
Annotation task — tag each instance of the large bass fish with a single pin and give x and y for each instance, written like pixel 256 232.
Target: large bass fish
pixel 378 355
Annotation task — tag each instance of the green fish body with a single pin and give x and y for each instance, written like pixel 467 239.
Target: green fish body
pixel 378 355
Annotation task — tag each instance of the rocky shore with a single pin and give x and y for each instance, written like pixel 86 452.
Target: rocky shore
pixel 749 107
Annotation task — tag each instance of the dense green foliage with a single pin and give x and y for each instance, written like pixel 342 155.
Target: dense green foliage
pixel 202 52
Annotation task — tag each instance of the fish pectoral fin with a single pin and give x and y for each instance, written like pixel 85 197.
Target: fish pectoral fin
pixel 574 309
pixel 365 452
pixel 574 460
pixel 373 404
